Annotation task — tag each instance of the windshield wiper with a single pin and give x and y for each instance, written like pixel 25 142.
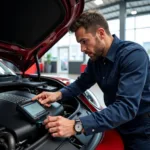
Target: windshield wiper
pixel 7 75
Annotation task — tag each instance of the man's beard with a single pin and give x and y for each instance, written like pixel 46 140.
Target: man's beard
pixel 98 51
pixel 94 58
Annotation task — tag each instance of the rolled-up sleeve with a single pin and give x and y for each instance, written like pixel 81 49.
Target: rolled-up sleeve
pixel 133 73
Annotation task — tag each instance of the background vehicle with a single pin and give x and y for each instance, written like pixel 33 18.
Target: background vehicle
pixel 28 30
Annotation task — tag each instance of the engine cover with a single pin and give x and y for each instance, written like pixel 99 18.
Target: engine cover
pixel 15 122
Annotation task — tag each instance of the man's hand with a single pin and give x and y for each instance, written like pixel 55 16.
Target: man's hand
pixel 46 98
pixel 59 126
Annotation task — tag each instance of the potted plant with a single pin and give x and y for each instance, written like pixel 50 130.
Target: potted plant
pixel 48 65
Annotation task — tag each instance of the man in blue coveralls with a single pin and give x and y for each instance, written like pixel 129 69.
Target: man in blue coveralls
pixel 122 71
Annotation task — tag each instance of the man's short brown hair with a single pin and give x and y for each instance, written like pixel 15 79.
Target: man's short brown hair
pixel 91 21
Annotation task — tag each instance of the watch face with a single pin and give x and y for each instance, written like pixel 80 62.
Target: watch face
pixel 78 127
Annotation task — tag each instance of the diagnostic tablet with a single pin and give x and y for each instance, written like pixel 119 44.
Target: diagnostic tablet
pixel 32 110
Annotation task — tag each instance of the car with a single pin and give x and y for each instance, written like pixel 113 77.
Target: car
pixel 28 29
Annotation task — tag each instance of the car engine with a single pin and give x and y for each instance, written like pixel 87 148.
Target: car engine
pixel 18 133
pixel 14 122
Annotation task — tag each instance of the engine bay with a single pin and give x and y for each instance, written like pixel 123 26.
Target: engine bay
pixel 18 133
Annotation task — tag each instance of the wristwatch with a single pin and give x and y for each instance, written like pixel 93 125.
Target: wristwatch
pixel 78 126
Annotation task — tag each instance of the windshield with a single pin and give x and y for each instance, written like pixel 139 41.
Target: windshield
pixel 4 70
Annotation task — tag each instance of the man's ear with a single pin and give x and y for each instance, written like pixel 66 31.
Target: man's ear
pixel 101 33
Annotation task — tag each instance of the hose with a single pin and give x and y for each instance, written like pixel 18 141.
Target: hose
pixel 8 137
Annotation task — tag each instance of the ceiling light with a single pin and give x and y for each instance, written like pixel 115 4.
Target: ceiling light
pixel 98 2
pixel 134 12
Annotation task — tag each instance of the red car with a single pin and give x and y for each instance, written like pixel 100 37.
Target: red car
pixel 28 29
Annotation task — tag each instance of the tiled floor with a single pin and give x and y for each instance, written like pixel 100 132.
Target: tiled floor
pixel 95 89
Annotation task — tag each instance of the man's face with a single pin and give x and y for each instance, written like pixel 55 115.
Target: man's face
pixel 91 44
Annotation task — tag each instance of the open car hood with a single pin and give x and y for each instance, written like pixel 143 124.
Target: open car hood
pixel 29 28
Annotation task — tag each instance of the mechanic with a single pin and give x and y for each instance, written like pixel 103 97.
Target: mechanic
pixel 122 71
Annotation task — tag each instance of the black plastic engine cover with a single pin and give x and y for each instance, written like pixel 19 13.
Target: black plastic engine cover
pixel 16 123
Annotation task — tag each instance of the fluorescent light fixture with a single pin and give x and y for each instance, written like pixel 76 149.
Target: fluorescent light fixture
pixel 134 12
pixel 98 2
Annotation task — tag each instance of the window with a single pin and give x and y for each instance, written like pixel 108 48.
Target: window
pixel 114 27
pixel 142 21
pixel 130 35
pixel 75 53
pixel 142 35
pixel 130 23
pixel 138 29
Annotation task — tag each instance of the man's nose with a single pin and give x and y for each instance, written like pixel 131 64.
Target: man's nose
pixel 83 48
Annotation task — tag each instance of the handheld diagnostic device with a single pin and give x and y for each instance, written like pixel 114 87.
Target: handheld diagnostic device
pixel 32 110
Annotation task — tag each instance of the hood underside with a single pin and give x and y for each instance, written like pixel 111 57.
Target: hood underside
pixel 30 27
